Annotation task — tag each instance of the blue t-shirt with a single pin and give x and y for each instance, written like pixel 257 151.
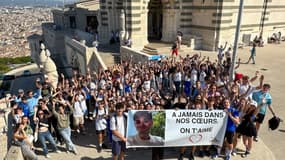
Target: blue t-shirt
pixel 231 126
pixel 258 96
pixel 88 95
pixel 128 88
pixel 25 108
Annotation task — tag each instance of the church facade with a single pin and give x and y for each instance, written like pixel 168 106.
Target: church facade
pixel 213 21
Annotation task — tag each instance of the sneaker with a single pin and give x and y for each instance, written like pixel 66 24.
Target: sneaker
pixel 201 154
pixel 67 151
pixel 234 153
pixel 47 156
pixel 255 139
pixel 215 156
pixel 99 150
pixel 75 152
pixel 246 153
pixel 58 151
pixel 181 156
pixel 191 156
pixel 228 157
pixel 104 146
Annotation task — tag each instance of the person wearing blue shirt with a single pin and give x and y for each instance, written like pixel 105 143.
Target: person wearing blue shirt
pixel 233 120
pixel 264 99
pixel 127 86
pixel 32 101
pixel 252 54
pixel 24 105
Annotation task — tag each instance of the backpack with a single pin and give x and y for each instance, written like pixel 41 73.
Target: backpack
pixel 116 120
pixel 274 122
pixel 97 109
pixel 125 122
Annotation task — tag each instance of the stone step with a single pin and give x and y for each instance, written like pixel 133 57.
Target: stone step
pixel 110 58
pixel 149 50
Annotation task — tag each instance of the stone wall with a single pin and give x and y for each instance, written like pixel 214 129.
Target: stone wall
pixel 82 57
pixel 137 56
pixel 14 153
pixel 3 127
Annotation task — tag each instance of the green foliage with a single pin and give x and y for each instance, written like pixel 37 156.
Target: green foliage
pixel 4 62
pixel 3 68
pixel 16 60
pixel 158 124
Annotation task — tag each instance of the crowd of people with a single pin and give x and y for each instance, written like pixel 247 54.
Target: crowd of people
pixel 191 82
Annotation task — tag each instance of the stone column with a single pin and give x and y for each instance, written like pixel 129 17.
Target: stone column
pixel 169 25
pixel 122 27
pixel 103 31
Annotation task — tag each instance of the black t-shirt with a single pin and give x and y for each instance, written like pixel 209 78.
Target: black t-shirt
pixel 180 105
pixel 172 70
pixel 44 122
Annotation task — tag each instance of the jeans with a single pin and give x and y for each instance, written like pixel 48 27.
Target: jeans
pixel 43 136
pixel 66 134
pixel 177 87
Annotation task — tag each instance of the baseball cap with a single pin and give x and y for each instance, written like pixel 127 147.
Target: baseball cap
pixel 20 91
pixel 253 103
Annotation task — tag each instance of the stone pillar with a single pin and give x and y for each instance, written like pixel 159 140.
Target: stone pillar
pixel 103 31
pixel 137 24
pixel 144 24
pixel 169 28
pixel 122 27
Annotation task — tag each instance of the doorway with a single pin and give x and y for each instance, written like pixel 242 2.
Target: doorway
pixel 155 20
pixel 92 24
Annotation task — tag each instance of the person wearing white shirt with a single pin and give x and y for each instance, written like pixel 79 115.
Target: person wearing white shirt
pixel 78 114
pixel 100 114
pixel 177 77
pixel 118 127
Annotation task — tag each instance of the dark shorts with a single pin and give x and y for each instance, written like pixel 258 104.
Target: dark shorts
pixel 229 136
pixel 259 118
pixel 118 147
pixel 100 131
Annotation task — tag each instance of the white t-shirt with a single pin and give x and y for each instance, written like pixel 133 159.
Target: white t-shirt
pixel 78 112
pixel 120 127
pixel 146 85
pixel 137 141
pixel 101 123
pixel 187 78
pixel 244 88
pixel 194 76
pixel 83 103
pixel 202 76
pixel 177 77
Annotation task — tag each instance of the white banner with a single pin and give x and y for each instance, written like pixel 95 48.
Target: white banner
pixel 175 128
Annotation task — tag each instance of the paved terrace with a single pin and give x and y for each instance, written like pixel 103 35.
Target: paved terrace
pixel 269 62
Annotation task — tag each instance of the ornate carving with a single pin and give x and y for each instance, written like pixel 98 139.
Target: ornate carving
pixel 48 66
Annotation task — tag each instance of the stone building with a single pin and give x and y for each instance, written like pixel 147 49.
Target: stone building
pixel 70 38
pixel 205 24
pixel 213 21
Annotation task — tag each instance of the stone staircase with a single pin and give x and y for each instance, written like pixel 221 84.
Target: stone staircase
pixel 110 54
pixel 110 58
pixel 149 50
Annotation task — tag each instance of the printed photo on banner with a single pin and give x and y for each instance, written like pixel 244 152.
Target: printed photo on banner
pixel 145 128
